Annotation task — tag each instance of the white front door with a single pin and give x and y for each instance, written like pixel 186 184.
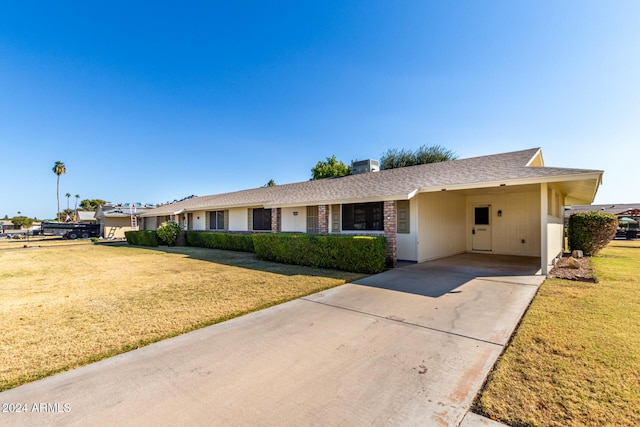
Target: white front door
pixel 481 229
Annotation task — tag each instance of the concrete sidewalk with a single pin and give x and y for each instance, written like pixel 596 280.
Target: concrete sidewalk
pixel 411 346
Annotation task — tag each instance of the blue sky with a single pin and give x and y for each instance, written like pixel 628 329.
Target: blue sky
pixel 157 101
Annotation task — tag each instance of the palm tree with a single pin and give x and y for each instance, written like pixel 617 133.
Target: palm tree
pixel 67 196
pixel 59 169
pixel 76 208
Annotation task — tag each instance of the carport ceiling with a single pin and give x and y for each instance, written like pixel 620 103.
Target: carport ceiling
pixel 577 192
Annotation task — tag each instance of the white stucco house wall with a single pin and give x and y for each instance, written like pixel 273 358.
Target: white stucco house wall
pixel 508 203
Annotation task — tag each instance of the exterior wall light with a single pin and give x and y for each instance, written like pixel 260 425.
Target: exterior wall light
pixel 500 213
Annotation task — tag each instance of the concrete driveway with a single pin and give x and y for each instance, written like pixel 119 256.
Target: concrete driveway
pixel 411 346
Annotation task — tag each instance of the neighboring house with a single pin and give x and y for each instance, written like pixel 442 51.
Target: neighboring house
pixel 619 209
pixel 628 216
pixel 7 225
pixel 87 217
pixel 116 219
pixel 506 203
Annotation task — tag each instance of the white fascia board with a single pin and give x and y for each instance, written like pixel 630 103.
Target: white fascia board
pixel 150 214
pixel 224 207
pixel 342 201
pixel 513 182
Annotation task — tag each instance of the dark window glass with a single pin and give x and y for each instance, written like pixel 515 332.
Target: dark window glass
pixel 482 215
pixel 362 216
pixel 220 220
pixel 262 219
pixel 216 220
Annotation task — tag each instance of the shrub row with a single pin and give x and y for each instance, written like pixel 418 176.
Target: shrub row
pixel 591 231
pixel 361 254
pixel 142 238
pixel 226 241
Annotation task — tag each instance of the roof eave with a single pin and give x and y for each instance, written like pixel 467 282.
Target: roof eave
pixel 343 201
pixel 595 175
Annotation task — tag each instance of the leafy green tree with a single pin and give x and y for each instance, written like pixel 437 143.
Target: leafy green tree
pixel 168 232
pixel 91 204
pixel 330 168
pixel 59 169
pixel 397 158
pixel 400 158
pixel 271 183
pixel 6 216
pixel 434 154
pixel 22 221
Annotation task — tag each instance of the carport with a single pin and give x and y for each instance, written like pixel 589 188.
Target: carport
pixel 505 219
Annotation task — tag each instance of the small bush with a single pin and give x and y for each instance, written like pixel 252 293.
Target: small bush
pixel 168 232
pixel 591 231
pixel 142 238
pixel 361 254
pixel 217 240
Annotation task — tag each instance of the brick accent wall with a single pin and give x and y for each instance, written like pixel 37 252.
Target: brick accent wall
pixel 323 219
pixel 276 220
pixel 181 239
pixel 390 229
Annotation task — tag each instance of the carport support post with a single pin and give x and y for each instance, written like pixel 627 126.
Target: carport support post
pixel 544 247
pixel 390 229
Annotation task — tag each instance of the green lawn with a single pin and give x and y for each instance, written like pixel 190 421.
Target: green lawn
pixel 575 358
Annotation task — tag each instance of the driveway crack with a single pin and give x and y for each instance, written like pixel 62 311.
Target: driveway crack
pixel 397 320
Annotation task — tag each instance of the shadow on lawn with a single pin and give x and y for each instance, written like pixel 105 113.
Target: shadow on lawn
pixel 251 261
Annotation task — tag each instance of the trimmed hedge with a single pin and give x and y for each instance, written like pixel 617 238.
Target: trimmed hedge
pixel 591 231
pixel 360 254
pixel 216 240
pixel 142 238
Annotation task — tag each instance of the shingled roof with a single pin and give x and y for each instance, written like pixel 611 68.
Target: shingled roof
pixel 399 184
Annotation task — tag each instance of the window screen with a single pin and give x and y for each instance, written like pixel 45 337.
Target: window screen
pixel 362 216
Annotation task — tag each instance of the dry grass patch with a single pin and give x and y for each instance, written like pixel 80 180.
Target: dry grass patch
pixel 40 241
pixel 575 358
pixel 67 306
